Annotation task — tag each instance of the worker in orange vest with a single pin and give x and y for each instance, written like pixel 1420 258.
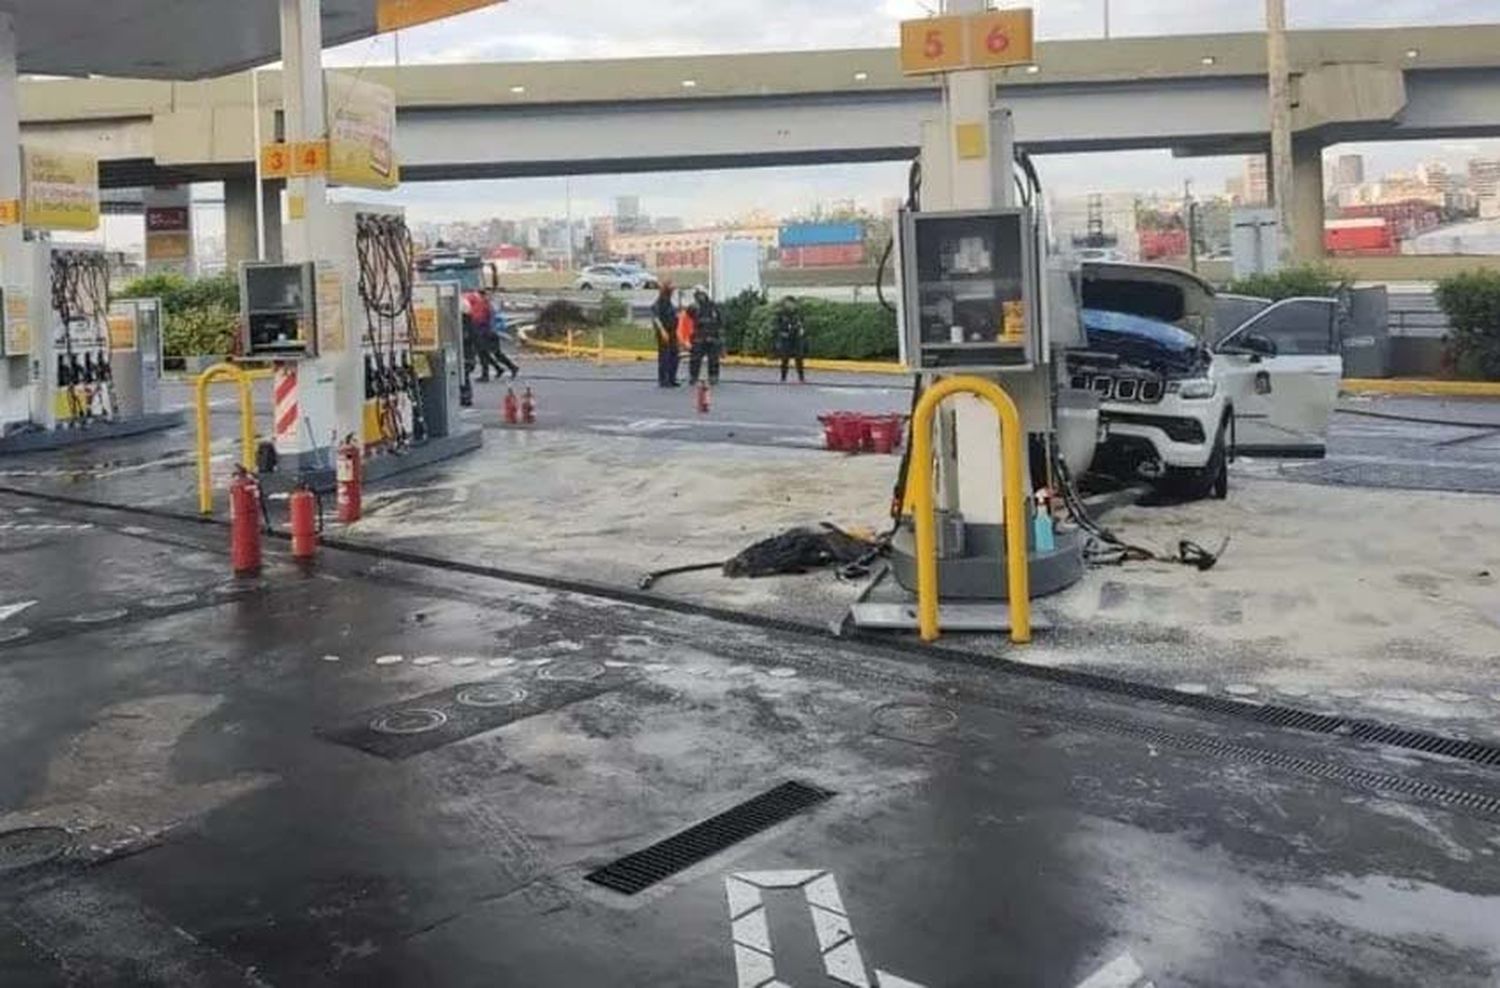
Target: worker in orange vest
pixel 687 326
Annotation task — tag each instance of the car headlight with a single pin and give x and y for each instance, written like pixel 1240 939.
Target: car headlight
pixel 1197 388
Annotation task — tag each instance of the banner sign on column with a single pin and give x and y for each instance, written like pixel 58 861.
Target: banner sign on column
pixel 59 190
pixel 17 321
pixel 393 15
pixel 361 133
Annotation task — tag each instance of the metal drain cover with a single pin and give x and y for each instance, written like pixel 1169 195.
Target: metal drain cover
pixel 571 671
pixel 497 695
pixel 415 720
pixel 922 723
pixel 31 846
pixel 99 617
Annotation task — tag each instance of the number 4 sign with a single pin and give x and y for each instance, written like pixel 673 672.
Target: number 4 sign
pixel 993 39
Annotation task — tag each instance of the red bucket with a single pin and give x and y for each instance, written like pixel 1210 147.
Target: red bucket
pixel 832 438
pixel 884 434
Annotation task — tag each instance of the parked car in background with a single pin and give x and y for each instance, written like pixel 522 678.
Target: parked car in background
pixel 1179 398
pixel 610 276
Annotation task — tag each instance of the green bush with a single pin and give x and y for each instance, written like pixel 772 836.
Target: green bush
pixel 737 313
pixel 1471 301
pixel 557 317
pixel 1310 280
pixel 201 316
pixel 835 330
pixel 612 311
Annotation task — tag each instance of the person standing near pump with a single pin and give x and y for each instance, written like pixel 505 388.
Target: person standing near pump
pixel 498 329
pixel 664 315
pixel 708 337
pixel 789 341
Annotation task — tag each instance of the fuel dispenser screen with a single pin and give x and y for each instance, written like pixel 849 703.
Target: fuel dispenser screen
pixel 968 289
pixel 280 310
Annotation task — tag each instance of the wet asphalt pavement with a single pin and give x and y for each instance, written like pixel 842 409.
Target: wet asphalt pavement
pixel 381 774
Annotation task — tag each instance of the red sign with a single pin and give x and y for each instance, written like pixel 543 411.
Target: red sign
pixel 168 219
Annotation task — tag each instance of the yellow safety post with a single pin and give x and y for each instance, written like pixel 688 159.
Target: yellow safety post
pixel 1013 503
pixel 601 348
pixel 221 372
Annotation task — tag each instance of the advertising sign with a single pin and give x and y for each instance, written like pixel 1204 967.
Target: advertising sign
pixel 361 133
pixel 59 190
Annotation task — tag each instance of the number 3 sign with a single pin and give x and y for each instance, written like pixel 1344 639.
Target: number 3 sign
pixel 993 39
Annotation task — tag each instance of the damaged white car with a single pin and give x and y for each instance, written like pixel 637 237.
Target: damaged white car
pixel 1180 396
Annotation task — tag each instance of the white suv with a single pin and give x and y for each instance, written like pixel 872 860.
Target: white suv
pixel 1175 407
pixel 627 277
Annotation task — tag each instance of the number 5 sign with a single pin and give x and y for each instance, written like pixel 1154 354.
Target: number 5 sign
pixel 993 39
pixel 932 45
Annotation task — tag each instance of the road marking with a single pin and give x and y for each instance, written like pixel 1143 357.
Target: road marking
pixel 9 611
pixel 388 660
pixel 1122 972
pixel 750 935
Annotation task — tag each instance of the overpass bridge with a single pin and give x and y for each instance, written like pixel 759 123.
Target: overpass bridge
pixel 1193 94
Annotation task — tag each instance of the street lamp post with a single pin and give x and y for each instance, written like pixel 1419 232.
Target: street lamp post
pixel 1281 125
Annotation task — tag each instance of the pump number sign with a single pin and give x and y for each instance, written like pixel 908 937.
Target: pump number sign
pixel 993 39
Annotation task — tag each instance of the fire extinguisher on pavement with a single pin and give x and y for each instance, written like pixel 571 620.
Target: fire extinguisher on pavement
pixel 511 407
pixel 303 506
pixel 528 408
pixel 244 524
pixel 350 477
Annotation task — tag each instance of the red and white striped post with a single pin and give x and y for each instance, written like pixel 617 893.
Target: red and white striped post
pixel 288 414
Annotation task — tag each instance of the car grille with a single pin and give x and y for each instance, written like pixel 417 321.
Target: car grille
pixel 1177 429
pixel 1121 388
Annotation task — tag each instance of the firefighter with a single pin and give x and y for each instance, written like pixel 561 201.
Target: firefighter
pixel 664 315
pixel 789 341
pixel 708 337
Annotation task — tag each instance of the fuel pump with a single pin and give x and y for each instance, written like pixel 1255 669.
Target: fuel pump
pixel 983 295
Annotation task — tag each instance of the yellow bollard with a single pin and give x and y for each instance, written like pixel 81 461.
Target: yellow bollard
pixel 919 490
pixel 214 374
pixel 601 348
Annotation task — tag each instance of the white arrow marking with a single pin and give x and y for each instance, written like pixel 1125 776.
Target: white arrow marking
pixel 9 611
pixel 1122 972
pixel 754 956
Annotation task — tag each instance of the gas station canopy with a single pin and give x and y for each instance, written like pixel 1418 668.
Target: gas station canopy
pixel 178 39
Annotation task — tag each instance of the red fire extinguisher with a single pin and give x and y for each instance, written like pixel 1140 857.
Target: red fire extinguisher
pixel 703 399
pixel 244 523
pixel 511 407
pixel 528 407
pixel 304 514
pixel 350 476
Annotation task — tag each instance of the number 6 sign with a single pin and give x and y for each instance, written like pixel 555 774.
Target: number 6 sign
pixel 1000 38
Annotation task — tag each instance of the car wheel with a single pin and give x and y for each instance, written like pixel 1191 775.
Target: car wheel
pixel 625 286
pixel 585 287
pixel 1212 480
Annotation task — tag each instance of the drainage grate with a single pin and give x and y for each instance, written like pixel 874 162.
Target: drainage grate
pixel 643 869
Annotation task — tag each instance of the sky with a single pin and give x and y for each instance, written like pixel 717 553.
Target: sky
pixel 585 29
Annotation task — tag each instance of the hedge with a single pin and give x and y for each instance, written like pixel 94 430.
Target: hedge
pixel 1471 301
pixel 835 330
pixel 1311 280
pixel 201 316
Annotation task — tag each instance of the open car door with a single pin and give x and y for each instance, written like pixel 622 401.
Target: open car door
pixel 1282 370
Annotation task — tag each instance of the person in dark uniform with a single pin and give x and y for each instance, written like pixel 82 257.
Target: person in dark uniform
pixel 708 337
pixel 789 340
pixel 664 315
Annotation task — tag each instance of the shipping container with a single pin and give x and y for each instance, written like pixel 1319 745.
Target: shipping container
pixel 821 234
pixel 1370 235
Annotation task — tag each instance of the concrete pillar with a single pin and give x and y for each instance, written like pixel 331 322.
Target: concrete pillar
pixel 15 397
pixel 241 238
pixel 1307 200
